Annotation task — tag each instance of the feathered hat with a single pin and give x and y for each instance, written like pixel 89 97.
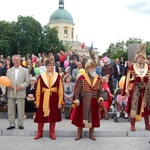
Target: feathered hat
pixel 90 64
pixel 141 51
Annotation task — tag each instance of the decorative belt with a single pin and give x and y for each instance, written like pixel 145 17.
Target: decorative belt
pixel 47 95
pixel 141 85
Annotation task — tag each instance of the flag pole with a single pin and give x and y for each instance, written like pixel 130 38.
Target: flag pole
pixel 76 41
pixel 84 45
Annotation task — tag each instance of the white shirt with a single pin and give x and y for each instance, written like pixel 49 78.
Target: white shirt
pixel 16 70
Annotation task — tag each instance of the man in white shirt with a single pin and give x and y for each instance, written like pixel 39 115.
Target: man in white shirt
pixel 19 77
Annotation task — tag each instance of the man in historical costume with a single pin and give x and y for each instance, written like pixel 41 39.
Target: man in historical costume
pixel 48 99
pixel 87 97
pixel 135 85
pixel 146 102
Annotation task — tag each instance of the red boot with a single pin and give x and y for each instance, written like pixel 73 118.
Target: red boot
pixel 40 131
pixel 132 122
pixel 147 125
pixel 52 131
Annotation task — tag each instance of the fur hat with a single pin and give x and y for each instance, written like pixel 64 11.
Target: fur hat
pixel 90 64
pixel 141 51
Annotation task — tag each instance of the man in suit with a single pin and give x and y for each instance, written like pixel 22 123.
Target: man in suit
pixel 118 70
pixel 2 69
pixel 19 78
pixel 76 71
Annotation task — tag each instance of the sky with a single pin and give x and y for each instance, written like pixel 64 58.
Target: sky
pixel 99 21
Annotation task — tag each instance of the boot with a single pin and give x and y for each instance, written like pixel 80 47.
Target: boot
pixel 147 125
pixel 52 131
pixel 79 134
pixel 91 134
pixel 40 131
pixel 132 122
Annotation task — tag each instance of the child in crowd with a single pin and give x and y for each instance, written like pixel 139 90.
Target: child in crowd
pixel 121 103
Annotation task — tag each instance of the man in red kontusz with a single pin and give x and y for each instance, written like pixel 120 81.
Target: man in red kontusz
pixel 134 87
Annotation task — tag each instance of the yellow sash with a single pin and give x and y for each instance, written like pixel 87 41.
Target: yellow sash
pixel 46 100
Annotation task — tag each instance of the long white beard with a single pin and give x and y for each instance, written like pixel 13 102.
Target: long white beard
pixel 92 74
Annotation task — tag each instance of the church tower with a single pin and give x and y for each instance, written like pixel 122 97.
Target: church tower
pixel 62 21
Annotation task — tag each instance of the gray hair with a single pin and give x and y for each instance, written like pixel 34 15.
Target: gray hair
pixel 15 56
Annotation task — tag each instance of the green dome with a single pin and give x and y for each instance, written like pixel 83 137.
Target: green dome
pixel 61 15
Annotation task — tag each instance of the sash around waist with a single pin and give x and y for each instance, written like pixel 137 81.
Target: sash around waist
pixel 53 89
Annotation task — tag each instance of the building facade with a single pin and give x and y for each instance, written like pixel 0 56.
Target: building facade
pixel 63 22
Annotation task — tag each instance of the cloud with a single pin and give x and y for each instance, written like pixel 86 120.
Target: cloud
pixel 140 7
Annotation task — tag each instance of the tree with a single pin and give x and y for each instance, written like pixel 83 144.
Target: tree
pixel 28 35
pixel 6 34
pixel 50 41
pixel 120 48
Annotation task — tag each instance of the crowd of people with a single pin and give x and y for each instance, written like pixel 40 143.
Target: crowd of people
pixel 46 83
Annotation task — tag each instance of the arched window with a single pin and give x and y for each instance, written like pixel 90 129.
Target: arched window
pixel 65 32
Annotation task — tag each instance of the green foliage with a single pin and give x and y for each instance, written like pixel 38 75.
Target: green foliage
pixel 6 32
pixel 120 49
pixel 50 41
pixel 27 36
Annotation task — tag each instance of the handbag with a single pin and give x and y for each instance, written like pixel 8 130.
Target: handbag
pixel 105 95
pixel 30 97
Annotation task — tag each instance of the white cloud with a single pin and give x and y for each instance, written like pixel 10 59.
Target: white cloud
pixel 102 22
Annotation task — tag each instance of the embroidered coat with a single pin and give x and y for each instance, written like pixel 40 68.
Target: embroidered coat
pixel 135 83
pixel 147 96
pixel 87 90
pixel 49 93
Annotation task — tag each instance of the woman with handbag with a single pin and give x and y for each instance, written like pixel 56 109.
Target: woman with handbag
pixel 29 101
pixel 107 96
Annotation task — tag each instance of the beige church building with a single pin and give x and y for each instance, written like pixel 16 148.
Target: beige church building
pixel 63 22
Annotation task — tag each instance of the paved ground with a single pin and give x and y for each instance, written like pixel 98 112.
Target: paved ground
pixel 68 143
pixel 110 136
pixel 65 129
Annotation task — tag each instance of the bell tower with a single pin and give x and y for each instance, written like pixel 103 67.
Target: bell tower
pixel 61 4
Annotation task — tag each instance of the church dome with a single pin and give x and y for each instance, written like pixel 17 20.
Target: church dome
pixel 61 15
